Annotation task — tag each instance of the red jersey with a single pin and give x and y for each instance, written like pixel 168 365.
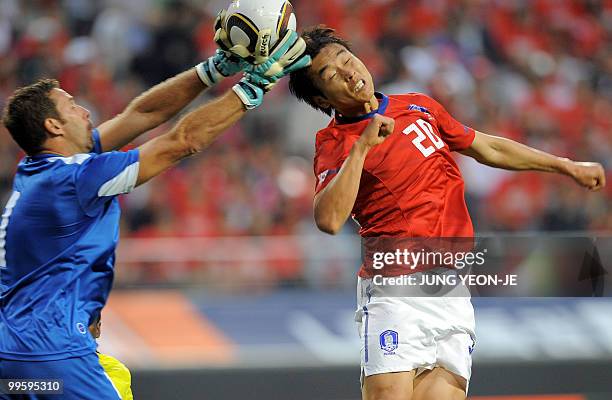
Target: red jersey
pixel 410 185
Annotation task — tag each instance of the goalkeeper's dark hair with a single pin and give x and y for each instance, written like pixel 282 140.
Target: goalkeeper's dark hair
pixel 300 83
pixel 26 111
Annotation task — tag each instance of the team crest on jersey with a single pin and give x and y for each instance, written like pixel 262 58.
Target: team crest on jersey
pixel 424 110
pixel 81 328
pixel 414 107
pixel 389 341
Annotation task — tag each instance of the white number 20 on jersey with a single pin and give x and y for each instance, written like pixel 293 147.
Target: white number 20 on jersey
pixel 423 131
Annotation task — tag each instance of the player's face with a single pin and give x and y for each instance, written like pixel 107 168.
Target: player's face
pixel 344 81
pixel 77 125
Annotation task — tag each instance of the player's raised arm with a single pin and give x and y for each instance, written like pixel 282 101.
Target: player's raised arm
pixel 163 101
pixel 504 153
pixel 333 205
pixel 150 109
pixel 197 129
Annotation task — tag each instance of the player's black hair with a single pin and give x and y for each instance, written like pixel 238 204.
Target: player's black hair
pixel 300 83
pixel 26 112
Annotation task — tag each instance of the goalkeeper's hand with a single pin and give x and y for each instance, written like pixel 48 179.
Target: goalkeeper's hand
pixel 225 62
pixel 288 55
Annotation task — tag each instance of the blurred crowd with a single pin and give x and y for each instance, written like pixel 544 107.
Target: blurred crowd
pixel 539 72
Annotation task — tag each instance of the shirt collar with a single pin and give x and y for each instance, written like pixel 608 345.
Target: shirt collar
pixel 42 156
pixel 383 102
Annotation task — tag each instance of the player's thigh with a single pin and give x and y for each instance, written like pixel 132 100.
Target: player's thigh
pixel 439 384
pixel 388 386
pixel 82 378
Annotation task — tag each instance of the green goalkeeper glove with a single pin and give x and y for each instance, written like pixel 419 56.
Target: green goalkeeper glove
pixel 218 67
pixel 251 93
pixel 287 56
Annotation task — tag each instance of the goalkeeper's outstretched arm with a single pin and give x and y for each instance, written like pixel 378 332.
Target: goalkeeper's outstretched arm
pixel 151 109
pixel 164 100
pixel 192 134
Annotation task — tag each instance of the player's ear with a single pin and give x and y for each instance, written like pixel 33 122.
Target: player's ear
pixel 53 126
pixel 321 102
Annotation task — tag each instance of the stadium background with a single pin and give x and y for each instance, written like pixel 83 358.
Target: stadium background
pixel 224 286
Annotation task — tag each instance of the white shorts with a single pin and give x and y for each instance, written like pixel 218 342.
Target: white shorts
pixel 406 333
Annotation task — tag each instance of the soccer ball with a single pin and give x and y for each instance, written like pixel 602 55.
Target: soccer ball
pixel 245 18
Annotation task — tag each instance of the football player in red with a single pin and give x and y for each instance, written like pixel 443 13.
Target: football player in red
pixel 386 160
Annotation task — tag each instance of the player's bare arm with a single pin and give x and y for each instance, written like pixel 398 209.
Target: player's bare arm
pixel 192 134
pixel 333 205
pixel 198 129
pixel 163 101
pixel 504 153
pixel 151 109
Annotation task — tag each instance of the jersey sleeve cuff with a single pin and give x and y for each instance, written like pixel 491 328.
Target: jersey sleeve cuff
pixel 467 139
pixel 97 148
pixel 125 182
pixel 324 178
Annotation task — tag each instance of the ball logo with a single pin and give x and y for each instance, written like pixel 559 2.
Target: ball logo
pixel 257 26
pixel 81 328
pixel 389 341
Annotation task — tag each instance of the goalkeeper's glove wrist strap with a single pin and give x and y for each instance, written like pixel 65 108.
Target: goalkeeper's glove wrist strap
pixel 208 73
pixel 251 95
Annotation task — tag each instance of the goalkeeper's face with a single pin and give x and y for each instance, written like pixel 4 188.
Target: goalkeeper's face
pixel 344 81
pixel 74 125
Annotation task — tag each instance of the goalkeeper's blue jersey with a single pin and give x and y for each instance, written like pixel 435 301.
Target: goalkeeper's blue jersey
pixel 58 235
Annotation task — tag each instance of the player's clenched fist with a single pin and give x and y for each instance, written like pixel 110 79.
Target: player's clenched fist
pixel 589 174
pixel 377 131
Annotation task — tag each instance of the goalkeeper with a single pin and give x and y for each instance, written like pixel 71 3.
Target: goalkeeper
pixel 65 201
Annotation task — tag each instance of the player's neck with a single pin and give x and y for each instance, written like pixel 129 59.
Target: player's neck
pixel 362 109
pixel 58 147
